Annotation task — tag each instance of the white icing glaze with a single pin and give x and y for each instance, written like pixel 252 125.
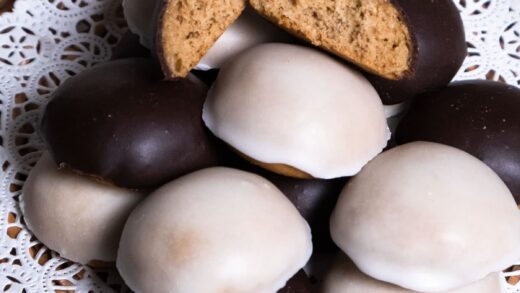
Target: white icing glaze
pixel 76 216
pixel 249 30
pixel 215 230
pixel 293 105
pixel 345 277
pixel 427 217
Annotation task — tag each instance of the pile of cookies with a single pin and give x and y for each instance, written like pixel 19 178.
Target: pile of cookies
pixel 232 146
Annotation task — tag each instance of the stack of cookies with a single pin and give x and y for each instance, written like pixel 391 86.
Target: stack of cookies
pixel 232 145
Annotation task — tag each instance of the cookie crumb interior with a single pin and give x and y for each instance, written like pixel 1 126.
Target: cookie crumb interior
pixel 369 33
pixel 189 28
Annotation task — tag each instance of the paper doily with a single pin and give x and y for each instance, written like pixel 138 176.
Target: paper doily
pixel 44 42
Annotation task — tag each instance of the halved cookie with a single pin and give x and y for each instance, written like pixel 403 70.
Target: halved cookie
pixel 188 28
pixel 410 46
pixel 180 32
pixel 373 33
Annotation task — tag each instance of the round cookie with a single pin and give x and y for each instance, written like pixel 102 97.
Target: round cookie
pixel 412 45
pixel 119 122
pixel 345 277
pixel 479 117
pixel 297 111
pixel 78 217
pixel 314 198
pixel 427 217
pixel 214 230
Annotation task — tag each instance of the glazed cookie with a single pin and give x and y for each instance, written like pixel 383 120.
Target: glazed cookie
pixel 215 230
pixel 297 111
pixel 78 217
pixel 120 123
pixel 427 217
pixel 345 277
pixel 479 117
pixel 405 42
pixel 314 198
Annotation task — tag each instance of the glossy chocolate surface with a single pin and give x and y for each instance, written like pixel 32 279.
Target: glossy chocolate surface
pixel 299 283
pixel 479 117
pixel 121 123
pixel 440 48
pixel 130 47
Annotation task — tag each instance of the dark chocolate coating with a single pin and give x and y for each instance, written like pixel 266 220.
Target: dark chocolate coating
pixel 119 122
pixel 130 47
pixel 299 283
pixel 479 117
pixel 439 45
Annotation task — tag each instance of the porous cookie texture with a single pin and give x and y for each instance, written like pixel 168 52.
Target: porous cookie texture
pixel 215 230
pixel 295 106
pixel 344 277
pixel 370 33
pixel 314 198
pixel 76 216
pixel 408 46
pixel 427 217
pixel 188 29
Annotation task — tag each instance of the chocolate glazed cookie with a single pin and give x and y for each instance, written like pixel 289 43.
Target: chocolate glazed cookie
pixel 439 48
pixel 479 117
pixel 120 123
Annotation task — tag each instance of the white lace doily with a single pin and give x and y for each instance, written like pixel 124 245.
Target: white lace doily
pixel 43 42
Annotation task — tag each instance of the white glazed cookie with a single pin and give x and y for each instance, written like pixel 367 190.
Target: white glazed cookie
pixel 292 105
pixel 215 230
pixel 427 217
pixel 76 216
pixel 344 277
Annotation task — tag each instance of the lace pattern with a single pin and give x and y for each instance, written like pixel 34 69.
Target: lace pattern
pixel 44 42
